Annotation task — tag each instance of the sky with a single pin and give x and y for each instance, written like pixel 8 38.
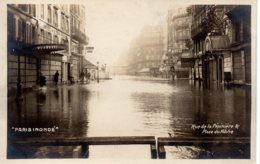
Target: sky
pixel 111 25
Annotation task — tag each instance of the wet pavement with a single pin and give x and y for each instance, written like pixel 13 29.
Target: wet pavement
pixel 132 106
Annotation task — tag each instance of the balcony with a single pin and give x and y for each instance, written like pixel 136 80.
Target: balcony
pixel 79 36
pixel 182 38
pixel 184 25
pixel 195 31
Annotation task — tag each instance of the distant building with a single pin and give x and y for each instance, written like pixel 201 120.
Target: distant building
pixel 179 27
pixel 147 50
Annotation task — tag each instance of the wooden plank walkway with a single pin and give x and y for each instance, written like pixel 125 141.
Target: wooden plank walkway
pixel 84 142
pixel 87 140
pixel 199 141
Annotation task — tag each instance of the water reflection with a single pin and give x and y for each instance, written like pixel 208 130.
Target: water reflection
pixel 128 106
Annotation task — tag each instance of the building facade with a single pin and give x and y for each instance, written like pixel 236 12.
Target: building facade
pixel 78 39
pixel 221 37
pixel 179 29
pixel 147 50
pixel 39 44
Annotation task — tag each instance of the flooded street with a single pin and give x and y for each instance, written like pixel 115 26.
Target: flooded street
pixel 130 106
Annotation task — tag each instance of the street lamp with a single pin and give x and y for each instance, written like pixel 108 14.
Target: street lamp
pixel 97 72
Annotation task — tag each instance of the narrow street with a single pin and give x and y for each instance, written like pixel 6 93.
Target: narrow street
pixel 130 106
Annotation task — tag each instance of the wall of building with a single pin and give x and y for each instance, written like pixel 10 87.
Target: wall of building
pixel 28 71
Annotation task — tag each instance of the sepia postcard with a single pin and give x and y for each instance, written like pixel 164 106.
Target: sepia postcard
pixel 122 81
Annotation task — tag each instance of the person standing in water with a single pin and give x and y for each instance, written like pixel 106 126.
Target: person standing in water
pixel 56 77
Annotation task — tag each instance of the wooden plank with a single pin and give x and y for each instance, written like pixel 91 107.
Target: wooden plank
pixel 153 151
pixel 125 140
pixel 171 141
pixel 77 152
pixel 161 152
pixel 85 151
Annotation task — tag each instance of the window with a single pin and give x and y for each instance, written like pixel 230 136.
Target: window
pixel 41 37
pixel 19 36
pixel 32 10
pixel 33 34
pixel 11 25
pixel 27 33
pixel 62 21
pixel 49 15
pixel 49 40
pixel 42 11
pixel 24 7
pixel 56 39
pixel 55 19
pixel 236 33
pixel 67 25
pixel 24 32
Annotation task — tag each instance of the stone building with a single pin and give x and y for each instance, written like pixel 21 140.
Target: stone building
pixel 147 50
pixel 78 39
pixel 221 37
pixel 39 43
pixel 179 26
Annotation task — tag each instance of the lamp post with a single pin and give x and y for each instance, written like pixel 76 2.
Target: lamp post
pixel 97 72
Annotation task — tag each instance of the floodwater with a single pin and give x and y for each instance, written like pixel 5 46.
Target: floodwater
pixel 132 106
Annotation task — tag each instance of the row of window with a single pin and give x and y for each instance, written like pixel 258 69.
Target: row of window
pixel 182 34
pixel 53 17
pixel 29 9
pixel 26 32
pixel 20 30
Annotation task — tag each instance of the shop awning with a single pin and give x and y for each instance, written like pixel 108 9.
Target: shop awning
pixel 216 44
pixel 88 65
pixel 47 48
pixel 19 47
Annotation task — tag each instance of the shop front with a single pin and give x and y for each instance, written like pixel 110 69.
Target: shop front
pixel 216 61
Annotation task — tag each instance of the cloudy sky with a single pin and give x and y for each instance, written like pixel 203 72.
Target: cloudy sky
pixel 111 25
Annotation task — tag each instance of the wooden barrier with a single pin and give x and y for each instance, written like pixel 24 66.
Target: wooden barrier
pixel 84 143
pixel 82 149
pixel 199 141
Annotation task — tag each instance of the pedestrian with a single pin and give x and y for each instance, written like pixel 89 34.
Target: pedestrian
pixel 56 77
pixel 82 74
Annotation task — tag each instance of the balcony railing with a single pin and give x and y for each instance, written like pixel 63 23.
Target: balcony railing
pixel 80 36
